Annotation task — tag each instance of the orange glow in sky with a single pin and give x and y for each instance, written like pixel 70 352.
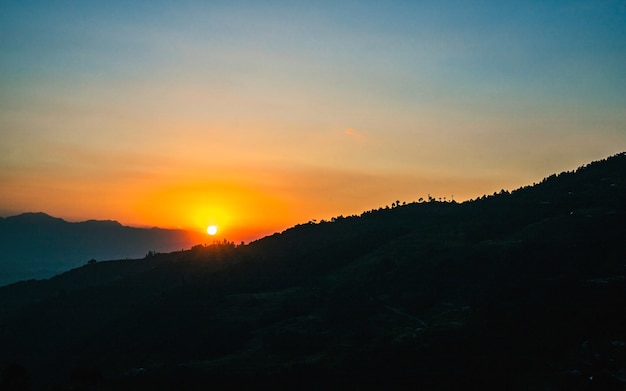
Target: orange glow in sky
pixel 239 211
pixel 255 116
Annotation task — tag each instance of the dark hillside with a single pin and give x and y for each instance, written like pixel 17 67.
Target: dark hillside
pixel 519 290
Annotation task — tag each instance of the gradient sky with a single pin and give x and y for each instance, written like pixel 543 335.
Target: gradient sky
pixel 259 115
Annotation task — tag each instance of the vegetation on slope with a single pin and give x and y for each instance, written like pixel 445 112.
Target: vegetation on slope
pixel 519 290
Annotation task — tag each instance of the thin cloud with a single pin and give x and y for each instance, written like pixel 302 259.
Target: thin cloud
pixel 355 135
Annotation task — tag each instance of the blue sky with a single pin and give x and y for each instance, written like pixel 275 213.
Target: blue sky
pixel 444 97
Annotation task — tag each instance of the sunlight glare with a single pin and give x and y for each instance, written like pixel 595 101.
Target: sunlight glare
pixel 211 229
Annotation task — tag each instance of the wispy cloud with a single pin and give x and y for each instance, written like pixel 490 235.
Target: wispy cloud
pixel 358 136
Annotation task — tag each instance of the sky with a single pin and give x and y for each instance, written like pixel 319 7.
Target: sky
pixel 258 115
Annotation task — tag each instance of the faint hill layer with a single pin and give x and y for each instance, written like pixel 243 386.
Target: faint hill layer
pixel 516 291
pixel 36 245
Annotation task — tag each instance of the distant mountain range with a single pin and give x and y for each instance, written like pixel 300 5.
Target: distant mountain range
pixel 36 245
pixel 520 290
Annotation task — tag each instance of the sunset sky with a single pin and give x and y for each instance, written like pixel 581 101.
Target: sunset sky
pixel 258 115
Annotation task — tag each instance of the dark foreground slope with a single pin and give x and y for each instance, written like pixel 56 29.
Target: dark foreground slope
pixel 516 291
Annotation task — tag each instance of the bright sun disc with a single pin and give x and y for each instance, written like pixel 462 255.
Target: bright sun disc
pixel 211 229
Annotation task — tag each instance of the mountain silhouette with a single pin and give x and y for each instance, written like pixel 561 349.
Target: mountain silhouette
pixel 36 245
pixel 518 290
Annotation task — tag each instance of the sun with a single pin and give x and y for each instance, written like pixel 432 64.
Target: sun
pixel 211 229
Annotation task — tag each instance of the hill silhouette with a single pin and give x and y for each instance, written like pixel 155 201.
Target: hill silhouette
pixel 36 245
pixel 519 290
